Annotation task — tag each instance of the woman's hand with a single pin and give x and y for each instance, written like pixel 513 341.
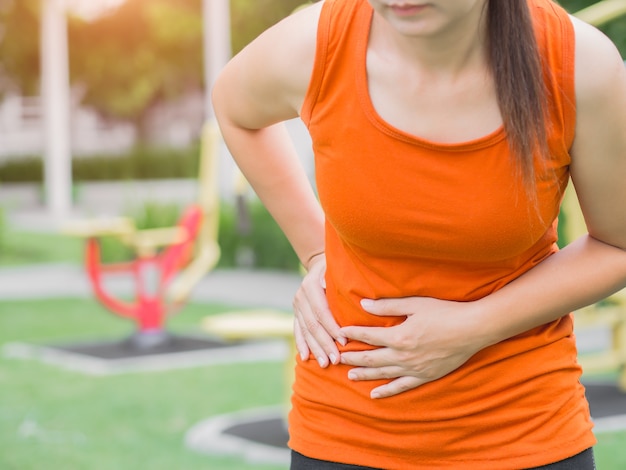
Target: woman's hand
pixel 315 329
pixel 436 338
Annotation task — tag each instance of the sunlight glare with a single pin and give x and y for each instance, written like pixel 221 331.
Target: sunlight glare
pixel 91 9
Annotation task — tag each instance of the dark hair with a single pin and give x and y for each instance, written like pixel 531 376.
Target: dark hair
pixel 518 74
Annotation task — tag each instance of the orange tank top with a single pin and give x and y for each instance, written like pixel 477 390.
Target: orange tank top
pixel 410 217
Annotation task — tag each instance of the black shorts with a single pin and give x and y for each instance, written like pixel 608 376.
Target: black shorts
pixel 582 461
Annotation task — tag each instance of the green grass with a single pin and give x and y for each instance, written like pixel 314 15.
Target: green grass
pixel 610 451
pixel 19 248
pixel 56 419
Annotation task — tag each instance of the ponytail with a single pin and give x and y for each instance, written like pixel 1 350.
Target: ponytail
pixel 517 70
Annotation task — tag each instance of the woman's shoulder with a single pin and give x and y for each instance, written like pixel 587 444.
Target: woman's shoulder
pixel 599 66
pixel 267 80
pixel 287 50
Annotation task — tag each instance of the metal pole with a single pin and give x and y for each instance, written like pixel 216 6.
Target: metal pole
pixel 55 91
pixel 217 50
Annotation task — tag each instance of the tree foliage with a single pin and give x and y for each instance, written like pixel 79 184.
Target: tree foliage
pixel 249 18
pixel 19 46
pixel 147 51
pixel 143 52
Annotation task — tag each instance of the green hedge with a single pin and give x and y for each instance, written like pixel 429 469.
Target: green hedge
pixel 142 162
pixel 2 230
pixel 248 236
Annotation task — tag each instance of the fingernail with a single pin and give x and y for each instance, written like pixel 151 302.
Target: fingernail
pixel 303 356
pixel 352 375
pixel 367 303
pixel 375 395
pixel 342 340
pixel 333 358
pixel 321 361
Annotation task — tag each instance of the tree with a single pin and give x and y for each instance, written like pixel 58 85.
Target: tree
pixel 147 51
pixel 143 52
pixel 19 46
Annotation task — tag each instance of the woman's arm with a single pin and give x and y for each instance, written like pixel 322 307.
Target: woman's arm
pixel 259 88
pixel 439 336
pixel 262 86
pixel 594 266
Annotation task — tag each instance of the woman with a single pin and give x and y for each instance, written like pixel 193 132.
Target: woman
pixel 444 134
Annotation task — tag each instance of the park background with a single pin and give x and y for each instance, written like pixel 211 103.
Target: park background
pixel 137 107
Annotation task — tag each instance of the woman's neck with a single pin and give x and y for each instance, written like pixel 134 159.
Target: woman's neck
pixel 449 52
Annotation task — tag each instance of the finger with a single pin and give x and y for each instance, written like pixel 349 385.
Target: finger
pixel 395 387
pixel 319 307
pixel 313 346
pixel 316 322
pixel 392 307
pixel 322 344
pixel 314 332
pixel 377 373
pixel 315 296
pixel 322 280
pixel 301 346
pixel 370 358
pixel 310 330
pixel 376 336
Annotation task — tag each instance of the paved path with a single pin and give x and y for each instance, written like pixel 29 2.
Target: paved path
pixel 236 287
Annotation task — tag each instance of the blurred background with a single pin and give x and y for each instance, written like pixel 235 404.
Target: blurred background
pixel 102 112
pixel 102 104
pixel 116 90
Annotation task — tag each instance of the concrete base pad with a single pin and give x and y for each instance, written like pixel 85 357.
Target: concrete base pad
pixel 147 354
pixel 608 406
